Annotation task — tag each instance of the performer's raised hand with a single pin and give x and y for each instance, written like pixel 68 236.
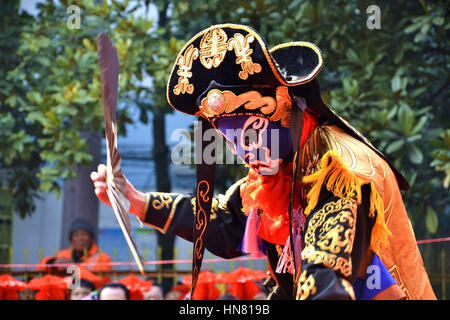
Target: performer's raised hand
pixel 137 199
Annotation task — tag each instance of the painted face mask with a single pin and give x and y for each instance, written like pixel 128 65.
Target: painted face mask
pixel 260 143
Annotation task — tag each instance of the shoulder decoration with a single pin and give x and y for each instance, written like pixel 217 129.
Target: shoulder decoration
pixel 346 165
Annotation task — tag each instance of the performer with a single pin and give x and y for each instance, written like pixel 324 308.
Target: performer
pixel 320 201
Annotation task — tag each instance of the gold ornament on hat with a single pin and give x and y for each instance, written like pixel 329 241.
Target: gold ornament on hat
pixel 185 65
pixel 213 48
pixel 241 46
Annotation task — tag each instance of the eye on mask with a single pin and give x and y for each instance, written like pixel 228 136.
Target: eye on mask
pixel 260 143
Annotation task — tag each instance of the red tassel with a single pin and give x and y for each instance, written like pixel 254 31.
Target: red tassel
pixel 285 261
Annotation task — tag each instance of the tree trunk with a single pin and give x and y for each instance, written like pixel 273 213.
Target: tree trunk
pixel 161 160
pixel 80 200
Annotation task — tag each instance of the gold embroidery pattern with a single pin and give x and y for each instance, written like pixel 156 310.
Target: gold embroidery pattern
pixel 396 274
pixel 241 46
pixel 220 202
pixel 161 200
pixel 214 207
pixel 343 265
pixel 284 103
pixel 330 236
pixel 349 288
pixel 307 286
pixel 172 213
pixel 213 48
pixel 250 100
pixel 185 65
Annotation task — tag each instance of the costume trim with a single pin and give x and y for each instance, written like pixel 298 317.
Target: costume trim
pixel 344 183
pixel 147 203
pixel 219 103
pixel 164 200
pixel 172 213
pixel 161 202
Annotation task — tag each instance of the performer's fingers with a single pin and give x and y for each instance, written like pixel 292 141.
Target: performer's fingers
pixel 101 194
pixel 101 170
pixel 100 185
pixel 94 176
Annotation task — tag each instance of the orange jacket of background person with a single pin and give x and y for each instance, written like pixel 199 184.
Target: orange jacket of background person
pixel 83 250
pixel 96 260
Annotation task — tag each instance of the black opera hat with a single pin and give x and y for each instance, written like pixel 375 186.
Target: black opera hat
pixel 236 57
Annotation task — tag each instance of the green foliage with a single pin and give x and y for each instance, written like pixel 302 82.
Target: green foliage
pixel 441 155
pixel 17 148
pixel 54 93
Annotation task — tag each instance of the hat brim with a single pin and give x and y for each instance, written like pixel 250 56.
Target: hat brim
pixel 298 62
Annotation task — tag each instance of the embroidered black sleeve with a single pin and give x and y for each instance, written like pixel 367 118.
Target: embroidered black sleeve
pixel 336 238
pixel 174 213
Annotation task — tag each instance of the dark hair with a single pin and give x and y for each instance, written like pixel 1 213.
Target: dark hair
pixel 115 285
pixel 87 284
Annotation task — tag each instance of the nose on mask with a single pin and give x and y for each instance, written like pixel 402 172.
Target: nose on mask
pixel 260 143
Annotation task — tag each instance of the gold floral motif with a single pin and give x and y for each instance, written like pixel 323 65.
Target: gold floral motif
pixel 335 236
pixel 184 71
pixel 332 261
pixel 307 286
pixel 241 46
pixel 213 48
pixel 161 200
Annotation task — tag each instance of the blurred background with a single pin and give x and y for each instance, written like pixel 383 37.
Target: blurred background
pixel 386 71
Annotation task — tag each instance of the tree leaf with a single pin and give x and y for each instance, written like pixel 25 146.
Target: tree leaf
pixel 396 83
pixel 415 154
pixel 395 146
pixel 431 220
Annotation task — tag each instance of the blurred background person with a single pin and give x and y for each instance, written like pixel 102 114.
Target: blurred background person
pixel 83 249
pixel 82 291
pixel 114 291
pixel 155 293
